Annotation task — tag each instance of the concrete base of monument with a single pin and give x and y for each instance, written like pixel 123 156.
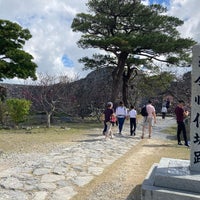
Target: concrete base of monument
pixel 171 179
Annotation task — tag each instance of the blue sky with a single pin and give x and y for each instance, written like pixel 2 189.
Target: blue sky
pixel 54 45
pixel 67 62
pixel 165 2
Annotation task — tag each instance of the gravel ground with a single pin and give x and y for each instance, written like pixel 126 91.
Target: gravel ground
pixel 123 179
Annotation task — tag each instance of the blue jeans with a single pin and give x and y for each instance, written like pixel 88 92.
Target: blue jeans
pixel 121 123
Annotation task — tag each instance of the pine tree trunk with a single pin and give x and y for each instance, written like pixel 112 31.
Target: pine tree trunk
pixel 125 90
pixel 117 76
pixel 127 75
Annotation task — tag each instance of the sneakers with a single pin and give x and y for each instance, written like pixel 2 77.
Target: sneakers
pixel 186 144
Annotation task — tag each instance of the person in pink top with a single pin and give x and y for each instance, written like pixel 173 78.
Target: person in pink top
pixel 148 120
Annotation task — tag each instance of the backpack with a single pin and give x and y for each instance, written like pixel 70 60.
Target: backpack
pixel 144 111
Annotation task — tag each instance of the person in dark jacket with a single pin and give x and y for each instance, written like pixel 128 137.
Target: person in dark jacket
pixel 108 113
pixel 180 115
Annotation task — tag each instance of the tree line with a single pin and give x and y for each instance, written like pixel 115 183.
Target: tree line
pixel 54 98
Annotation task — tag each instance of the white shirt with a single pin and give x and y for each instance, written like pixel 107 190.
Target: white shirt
pixel 132 113
pixel 121 111
pixel 164 109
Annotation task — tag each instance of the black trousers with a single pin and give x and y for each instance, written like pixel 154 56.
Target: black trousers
pixel 181 128
pixel 132 125
pixel 163 115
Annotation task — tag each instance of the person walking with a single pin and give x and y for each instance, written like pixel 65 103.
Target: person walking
pixel 148 120
pixel 121 113
pixel 108 113
pixel 133 120
pixel 164 110
pixel 180 115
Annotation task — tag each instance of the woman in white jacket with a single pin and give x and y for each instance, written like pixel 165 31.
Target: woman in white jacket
pixel 121 113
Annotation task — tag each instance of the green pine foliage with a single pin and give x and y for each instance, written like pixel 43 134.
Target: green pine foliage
pixel 14 61
pixel 126 30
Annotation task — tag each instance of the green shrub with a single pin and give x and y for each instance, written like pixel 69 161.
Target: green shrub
pixel 18 109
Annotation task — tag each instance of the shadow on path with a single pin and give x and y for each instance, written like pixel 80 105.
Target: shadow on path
pixel 135 194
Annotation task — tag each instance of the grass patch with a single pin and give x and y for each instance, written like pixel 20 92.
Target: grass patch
pixel 28 140
pixel 170 130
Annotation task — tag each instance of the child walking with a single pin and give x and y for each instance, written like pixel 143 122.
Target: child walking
pixel 133 120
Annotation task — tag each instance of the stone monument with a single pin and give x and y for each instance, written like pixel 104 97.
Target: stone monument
pixel 175 179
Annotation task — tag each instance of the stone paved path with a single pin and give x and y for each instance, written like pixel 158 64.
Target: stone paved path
pixel 57 175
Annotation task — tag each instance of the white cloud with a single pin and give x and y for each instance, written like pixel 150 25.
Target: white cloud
pixel 49 22
pixel 187 10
